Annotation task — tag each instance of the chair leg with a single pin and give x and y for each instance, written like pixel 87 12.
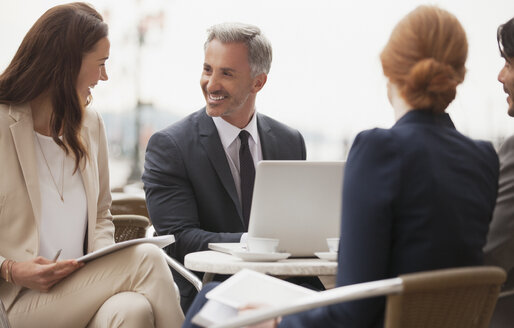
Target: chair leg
pixel 191 277
pixel 503 315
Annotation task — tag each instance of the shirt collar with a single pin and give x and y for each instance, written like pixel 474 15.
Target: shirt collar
pixel 426 116
pixel 228 132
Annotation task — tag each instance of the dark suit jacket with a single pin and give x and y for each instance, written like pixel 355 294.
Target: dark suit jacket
pixel 416 197
pixel 190 191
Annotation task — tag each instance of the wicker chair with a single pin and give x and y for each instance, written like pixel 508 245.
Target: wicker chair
pixel 129 226
pixel 128 204
pixel 130 216
pixel 462 297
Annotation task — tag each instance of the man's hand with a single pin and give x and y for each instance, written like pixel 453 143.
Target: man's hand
pixel 266 324
pixel 273 323
pixel 41 274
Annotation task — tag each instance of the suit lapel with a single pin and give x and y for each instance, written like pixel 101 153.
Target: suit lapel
pixel 23 135
pixel 211 142
pixel 268 139
pixel 87 179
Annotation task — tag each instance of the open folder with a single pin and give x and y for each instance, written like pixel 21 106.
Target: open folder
pixel 245 289
pixel 277 298
pixel 160 241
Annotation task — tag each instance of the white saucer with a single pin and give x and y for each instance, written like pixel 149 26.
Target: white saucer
pixel 330 256
pixel 260 257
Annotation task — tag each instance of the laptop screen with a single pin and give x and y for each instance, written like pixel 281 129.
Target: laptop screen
pixel 298 202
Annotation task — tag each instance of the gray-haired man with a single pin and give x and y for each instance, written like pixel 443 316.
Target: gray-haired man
pixel 192 179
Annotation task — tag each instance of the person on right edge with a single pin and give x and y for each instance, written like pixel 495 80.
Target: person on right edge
pixel 418 196
pixel 499 249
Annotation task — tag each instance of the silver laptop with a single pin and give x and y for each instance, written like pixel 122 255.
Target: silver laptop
pixel 298 202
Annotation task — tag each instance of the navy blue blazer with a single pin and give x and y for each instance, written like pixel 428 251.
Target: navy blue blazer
pixel 416 197
pixel 189 188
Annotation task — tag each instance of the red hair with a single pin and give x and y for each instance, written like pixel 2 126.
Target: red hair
pixel 425 57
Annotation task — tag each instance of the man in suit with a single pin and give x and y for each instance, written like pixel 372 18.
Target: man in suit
pixel 196 188
pixel 499 249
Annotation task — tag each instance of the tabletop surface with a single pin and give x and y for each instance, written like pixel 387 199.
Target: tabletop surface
pixel 222 263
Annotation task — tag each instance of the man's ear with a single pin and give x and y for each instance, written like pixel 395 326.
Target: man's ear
pixel 259 81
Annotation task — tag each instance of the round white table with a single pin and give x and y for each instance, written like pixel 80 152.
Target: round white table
pixel 213 262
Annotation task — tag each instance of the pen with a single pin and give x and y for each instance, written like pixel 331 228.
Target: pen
pixel 57 255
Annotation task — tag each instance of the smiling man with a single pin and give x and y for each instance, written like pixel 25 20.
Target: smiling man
pixel 499 249
pixel 199 171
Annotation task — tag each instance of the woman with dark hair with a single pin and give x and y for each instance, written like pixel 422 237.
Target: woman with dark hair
pixel 55 190
pixel 418 196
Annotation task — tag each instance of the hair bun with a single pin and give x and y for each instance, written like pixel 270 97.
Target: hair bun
pixel 431 84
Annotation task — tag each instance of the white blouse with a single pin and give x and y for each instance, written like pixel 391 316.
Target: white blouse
pixel 63 223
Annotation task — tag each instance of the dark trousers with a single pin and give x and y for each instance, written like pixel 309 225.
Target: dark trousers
pixel 195 306
pixel 198 303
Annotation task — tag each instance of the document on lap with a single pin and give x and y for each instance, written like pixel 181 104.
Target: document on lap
pixel 160 241
pixel 247 289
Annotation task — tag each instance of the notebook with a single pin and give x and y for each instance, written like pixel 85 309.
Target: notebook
pixel 298 202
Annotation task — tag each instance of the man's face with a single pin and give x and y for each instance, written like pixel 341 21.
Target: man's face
pixel 227 83
pixel 506 77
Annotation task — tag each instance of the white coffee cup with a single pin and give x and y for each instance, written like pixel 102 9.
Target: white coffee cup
pixel 333 244
pixel 262 245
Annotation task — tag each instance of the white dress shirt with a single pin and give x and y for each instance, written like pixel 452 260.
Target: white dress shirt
pixel 229 135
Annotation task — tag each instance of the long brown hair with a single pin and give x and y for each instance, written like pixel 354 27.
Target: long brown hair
pixel 49 59
pixel 425 57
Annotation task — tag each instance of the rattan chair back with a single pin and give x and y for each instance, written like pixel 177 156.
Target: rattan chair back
pixel 461 297
pixel 129 226
pixel 129 205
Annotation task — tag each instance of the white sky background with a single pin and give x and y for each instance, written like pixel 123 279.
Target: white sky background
pixel 325 77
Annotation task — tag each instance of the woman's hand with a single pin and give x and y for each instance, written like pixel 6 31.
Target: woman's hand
pixel 41 274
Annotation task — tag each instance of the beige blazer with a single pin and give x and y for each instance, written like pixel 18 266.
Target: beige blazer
pixel 20 202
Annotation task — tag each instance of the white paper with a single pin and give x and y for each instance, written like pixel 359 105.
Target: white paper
pixel 247 288
pixel 160 241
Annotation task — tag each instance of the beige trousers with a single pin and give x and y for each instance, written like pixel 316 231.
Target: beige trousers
pixel 132 287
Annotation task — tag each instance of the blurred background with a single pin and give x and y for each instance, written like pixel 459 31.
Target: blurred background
pixel 325 78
